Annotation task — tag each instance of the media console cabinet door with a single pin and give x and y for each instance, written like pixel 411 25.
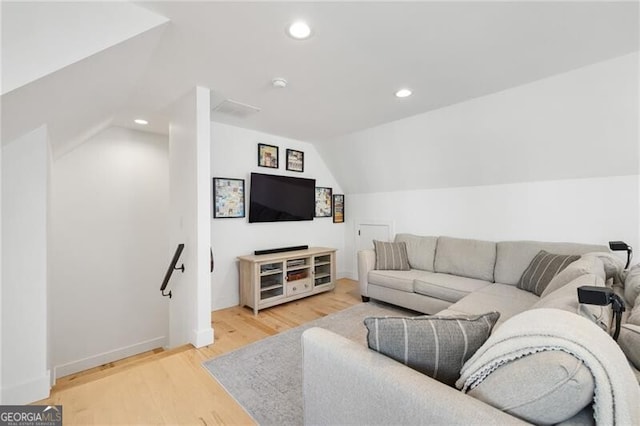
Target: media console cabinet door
pixel 272 279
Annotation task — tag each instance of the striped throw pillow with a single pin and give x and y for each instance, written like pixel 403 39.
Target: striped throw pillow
pixel 391 256
pixel 542 269
pixel 436 346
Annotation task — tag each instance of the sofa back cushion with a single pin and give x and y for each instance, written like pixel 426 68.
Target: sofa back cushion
pixel 632 284
pixel 466 258
pixel 584 265
pixel 420 250
pixel 629 341
pixel 513 257
pixel 566 298
pixel 634 315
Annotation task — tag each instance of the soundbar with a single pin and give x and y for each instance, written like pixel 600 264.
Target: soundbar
pixel 280 250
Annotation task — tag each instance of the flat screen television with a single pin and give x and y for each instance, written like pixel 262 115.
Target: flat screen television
pixel 281 198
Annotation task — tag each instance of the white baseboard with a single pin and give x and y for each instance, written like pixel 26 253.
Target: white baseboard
pixel 202 337
pixel 110 356
pixel 28 392
pixel 348 274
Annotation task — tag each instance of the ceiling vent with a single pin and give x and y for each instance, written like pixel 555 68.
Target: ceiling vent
pixel 235 108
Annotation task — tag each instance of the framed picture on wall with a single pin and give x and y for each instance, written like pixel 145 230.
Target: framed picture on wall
pixel 267 156
pixel 295 160
pixel 338 208
pixel 323 202
pixel 228 198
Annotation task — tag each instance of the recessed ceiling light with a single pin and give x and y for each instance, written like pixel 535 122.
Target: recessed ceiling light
pixel 279 83
pixel 141 121
pixel 299 30
pixel 403 93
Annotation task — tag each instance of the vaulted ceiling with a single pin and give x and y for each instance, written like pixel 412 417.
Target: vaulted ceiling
pixel 100 63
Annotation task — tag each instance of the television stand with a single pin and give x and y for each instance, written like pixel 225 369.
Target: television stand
pixel 272 279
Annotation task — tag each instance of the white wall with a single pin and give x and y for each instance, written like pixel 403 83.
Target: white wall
pixel 636 260
pixel 110 249
pixel 234 155
pixel 190 186
pixel 1 382
pixel 25 174
pixel 555 159
pixel 577 210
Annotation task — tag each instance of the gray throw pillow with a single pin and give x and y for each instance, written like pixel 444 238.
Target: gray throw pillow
pixel 436 346
pixel 391 256
pixel 543 267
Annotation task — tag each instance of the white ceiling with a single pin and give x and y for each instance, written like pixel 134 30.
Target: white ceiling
pixel 343 78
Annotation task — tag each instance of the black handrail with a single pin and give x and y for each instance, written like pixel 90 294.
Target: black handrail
pixel 172 267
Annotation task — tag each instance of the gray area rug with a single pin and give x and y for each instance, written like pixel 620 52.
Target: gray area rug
pixel 265 377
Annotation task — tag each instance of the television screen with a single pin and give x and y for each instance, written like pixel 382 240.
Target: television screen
pixel 281 198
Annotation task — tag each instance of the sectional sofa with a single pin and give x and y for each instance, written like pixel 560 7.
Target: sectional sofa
pixel 569 355
pixel 463 275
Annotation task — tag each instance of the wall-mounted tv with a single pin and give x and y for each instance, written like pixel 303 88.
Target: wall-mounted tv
pixel 281 198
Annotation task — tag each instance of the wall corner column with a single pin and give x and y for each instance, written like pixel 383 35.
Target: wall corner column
pixel 190 187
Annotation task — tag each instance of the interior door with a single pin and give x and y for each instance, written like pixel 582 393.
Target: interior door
pixel 366 232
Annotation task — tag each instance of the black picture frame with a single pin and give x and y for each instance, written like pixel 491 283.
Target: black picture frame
pixel 324 201
pixel 338 208
pixel 295 160
pixel 268 156
pixel 228 198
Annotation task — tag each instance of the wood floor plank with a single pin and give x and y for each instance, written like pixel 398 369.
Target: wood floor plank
pixel 172 387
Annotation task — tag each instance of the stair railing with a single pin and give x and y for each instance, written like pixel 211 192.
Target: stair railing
pixel 172 267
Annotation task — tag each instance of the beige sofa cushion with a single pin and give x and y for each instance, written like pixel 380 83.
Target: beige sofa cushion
pixel 421 250
pixel 585 265
pixel 397 280
pixel 566 299
pixel 634 315
pixel 506 299
pixel 543 388
pixel 632 284
pixel 629 342
pixel 636 372
pixel 466 258
pixel 613 265
pixel 513 257
pixel 447 287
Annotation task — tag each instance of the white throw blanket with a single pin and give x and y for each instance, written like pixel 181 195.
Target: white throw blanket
pixel 617 394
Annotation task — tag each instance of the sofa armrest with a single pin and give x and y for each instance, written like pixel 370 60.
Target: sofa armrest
pixel 366 263
pixel 346 383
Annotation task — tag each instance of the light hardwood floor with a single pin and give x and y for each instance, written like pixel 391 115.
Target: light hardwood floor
pixel 172 387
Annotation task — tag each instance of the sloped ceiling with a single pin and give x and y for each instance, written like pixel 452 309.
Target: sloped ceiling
pixel 41 38
pixel 81 99
pixel 575 125
pixel 341 80
pixel 71 66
